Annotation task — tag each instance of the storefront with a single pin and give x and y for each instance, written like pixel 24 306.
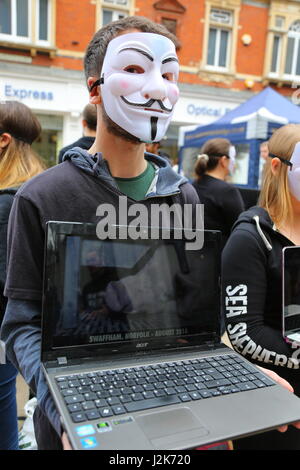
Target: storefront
pixel 58 96
pixel 56 99
pixel 198 105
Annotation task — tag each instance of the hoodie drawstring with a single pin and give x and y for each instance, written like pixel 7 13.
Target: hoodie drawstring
pixel 261 233
pixel 99 157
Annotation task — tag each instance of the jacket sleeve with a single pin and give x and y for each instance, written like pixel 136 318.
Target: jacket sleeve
pixel 6 201
pixel 21 328
pixel 244 286
pixel 21 332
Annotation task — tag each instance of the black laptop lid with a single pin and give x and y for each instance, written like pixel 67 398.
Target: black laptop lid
pixel 110 296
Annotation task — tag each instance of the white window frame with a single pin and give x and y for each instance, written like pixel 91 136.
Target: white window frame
pixel 275 74
pixel 296 36
pixel 117 4
pixel 43 42
pixel 220 26
pixel 114 13
pixel 13 37
pixel 223 23
pixel 217 50
pixel 115 8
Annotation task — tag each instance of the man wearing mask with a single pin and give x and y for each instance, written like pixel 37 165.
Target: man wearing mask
pixel 131 71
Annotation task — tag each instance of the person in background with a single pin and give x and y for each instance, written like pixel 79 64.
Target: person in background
pixel 89 124
pixel 222 201
pixel 18 163
pixel 263 157
pixel 154 148
pixel 252 274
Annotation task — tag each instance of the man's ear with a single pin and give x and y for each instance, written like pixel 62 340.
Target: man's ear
pixel 95 94
pixel 5 140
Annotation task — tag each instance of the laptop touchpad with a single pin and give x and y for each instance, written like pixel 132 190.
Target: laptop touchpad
pixel 168 428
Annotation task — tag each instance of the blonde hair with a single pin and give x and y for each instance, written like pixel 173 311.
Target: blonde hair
pixel 18 162
pixel 275 195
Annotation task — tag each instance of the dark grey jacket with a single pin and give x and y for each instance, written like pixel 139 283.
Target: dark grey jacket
pixel 6 200
pixel 70 191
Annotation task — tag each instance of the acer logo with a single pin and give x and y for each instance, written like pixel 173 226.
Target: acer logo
pixel 142 345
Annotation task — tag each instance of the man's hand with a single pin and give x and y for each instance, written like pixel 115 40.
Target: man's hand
pixel 284 384
pixel 65 442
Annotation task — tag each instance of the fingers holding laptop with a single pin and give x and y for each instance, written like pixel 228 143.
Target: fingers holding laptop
pixel 65 442
pixel 284 384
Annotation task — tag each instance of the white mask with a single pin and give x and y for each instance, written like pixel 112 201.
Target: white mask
pixel 294 172
pixel 139 90
pixel 232 155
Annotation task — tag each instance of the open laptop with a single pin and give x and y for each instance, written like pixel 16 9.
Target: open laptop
pixel 131 346
pixel 291 294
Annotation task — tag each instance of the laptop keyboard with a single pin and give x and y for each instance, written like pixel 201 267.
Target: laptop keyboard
pixel 114 392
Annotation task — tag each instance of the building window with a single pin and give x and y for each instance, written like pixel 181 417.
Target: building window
pixel 111 15
pixel 113 10
pixel 219 38
pixel 276 54
pixel 43 20
pixel 124 3
pixel 16 21
pixel 171 25
pixel 292 64
pixel 279 22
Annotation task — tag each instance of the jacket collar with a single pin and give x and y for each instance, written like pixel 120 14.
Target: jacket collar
pixel 166 181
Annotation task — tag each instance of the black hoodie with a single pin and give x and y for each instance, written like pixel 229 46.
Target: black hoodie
pixel 252 290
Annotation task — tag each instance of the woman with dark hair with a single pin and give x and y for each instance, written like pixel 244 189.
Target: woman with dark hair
pixel 222 201
pixel 18 129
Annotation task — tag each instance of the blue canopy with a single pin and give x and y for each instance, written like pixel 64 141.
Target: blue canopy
pixel 249 120
pixel 268 99
pixel 250 123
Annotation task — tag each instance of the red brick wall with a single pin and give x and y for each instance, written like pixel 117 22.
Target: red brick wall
pixel 75 26
pixel 254 21
pixel 75 21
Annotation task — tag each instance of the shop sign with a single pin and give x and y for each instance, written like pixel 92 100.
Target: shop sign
pixel 25 93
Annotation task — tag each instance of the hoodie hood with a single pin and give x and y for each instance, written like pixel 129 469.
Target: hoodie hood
pixel 256 211
pixel 166 181
pixel 260 218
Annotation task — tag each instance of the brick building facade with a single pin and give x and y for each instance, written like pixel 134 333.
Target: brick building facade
pixel 228 50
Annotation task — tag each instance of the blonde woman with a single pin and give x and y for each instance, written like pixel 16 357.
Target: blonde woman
pixel 252 274
pixel 18 129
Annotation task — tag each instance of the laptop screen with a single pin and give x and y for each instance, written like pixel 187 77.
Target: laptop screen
pixel 291 293
pixel 133 293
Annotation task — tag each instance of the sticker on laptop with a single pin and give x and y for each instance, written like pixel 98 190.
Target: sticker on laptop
pixel 116 422
pixel 89 442
pixel 103 426
pixel 86 430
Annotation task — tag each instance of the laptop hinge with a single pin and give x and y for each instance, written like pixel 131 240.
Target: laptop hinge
pixel 62 361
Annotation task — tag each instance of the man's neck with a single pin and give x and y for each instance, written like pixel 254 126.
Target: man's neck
pixel 125 159
pixel 89 132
